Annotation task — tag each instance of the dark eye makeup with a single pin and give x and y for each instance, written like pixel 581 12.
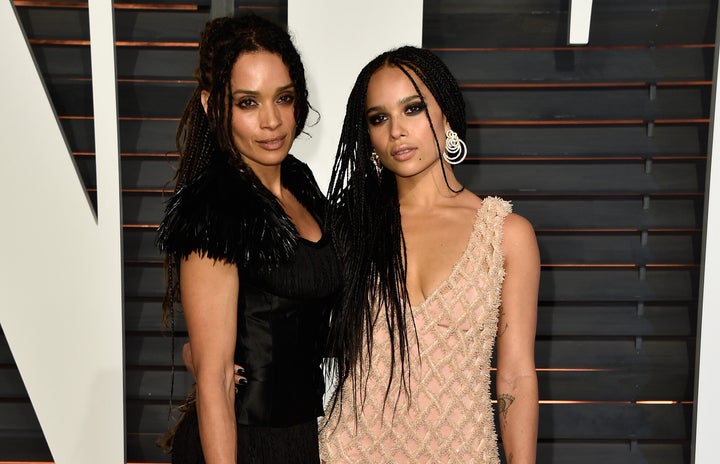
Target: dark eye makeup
pixel 286 98
pixel 376 118
pixel 415 107
pixel 245 103
pixel 411 109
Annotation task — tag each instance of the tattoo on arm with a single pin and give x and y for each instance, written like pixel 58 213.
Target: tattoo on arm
pixel 502 330
pixel 503 403
pixel 502 326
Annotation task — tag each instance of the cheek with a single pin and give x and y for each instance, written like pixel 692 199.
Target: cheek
pixel 439 134
pixel 237 120
pixel 240 128
pixel 376 137
pixel 441 138
pixel 289 116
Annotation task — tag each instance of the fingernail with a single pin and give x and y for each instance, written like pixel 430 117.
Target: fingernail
pixel 242 381
pixel 239 370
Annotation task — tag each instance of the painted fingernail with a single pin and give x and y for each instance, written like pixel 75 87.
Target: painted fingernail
pixel 239 370
pixel 242 381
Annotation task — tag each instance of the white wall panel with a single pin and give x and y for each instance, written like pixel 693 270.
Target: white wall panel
pixel 336 38
pixel 707 380
pixel 60 285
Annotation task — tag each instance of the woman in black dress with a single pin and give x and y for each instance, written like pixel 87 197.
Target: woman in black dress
pixel 246 252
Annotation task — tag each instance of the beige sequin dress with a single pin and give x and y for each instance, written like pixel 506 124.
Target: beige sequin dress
pixel 450 417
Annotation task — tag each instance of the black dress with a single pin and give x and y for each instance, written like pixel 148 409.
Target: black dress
pixel 287 286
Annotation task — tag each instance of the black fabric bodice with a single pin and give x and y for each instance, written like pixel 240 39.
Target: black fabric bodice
pixel 282 316
pixel 287 284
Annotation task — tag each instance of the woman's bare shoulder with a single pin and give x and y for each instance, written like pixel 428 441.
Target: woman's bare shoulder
pixel 518 235
pixel 517 224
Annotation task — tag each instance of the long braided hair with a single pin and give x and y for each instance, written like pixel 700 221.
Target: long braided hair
pixel 364 220
pixel 201 136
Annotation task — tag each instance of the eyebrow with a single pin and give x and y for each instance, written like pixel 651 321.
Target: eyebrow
pixel 255 92
pixel 402 101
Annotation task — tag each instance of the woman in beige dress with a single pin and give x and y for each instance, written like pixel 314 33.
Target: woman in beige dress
pixel 436 278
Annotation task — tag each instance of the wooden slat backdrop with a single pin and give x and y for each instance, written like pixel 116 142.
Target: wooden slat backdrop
pixel 602 147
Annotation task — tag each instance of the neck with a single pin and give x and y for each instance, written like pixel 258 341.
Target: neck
pixel 428 188
pixel 269 176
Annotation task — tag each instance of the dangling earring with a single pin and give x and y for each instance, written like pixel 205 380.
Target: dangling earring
pixel 375 158
pixel 455 149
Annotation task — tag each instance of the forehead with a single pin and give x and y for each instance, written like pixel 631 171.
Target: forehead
pixel 389 85
pixel 259 70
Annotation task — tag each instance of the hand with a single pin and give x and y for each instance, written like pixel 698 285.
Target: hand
pixel 239 379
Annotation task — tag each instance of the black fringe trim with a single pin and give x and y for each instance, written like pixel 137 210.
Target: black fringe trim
pixel 227 214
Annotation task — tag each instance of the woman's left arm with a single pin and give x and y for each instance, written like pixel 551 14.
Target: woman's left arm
pixel 517 391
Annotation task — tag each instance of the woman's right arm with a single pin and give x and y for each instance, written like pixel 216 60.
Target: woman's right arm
pixel 209 292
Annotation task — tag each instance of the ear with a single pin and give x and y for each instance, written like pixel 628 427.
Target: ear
pixel 446 124
pixel 204 95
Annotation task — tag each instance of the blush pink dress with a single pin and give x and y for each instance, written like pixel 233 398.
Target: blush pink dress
pixel 450 416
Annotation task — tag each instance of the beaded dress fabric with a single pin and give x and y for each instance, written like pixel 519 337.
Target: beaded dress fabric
pixel 450 416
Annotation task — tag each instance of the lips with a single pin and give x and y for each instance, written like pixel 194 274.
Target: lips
pixel 402 152
pixel 274 143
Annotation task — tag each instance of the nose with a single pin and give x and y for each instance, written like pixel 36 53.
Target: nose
pixel 397 128
pixel 269 117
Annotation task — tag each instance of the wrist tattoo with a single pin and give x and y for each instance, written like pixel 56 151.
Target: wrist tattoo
pixel 503 403
pixel 502 325
pixel 502 330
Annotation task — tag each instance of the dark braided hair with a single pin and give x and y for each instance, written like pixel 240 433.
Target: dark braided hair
pixel 364 220
pixel 201 136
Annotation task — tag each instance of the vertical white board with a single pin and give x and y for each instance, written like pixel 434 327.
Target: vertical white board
pixel 60 276
pixel 336 38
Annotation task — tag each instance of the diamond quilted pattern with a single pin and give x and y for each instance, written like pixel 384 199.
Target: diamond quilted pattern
pixel 449 418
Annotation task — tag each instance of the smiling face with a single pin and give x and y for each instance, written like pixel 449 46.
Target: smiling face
pixel 263 98
pixel 398 124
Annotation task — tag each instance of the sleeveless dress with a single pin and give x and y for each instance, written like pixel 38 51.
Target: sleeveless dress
pixel 287 285
pixel 450 416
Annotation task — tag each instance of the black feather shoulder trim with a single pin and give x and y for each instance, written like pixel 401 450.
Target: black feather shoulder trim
pixel 227 214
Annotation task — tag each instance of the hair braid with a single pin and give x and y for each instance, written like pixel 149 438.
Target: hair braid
pixel 364 220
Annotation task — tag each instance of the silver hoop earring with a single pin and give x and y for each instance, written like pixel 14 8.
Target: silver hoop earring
pixel 455 149
pixel 375 158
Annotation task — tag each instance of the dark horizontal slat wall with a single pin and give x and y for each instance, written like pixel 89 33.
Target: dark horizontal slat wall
pixel 603 148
